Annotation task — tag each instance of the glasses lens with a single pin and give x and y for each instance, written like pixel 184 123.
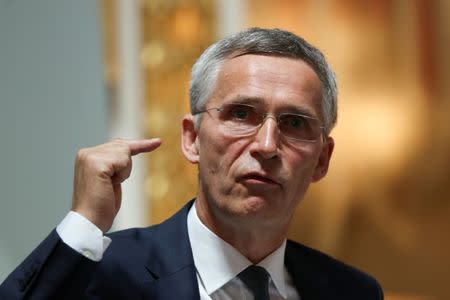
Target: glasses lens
pixel 299 127
pixel 240 118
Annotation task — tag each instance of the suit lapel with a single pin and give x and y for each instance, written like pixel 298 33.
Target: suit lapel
pixel 310 279
pixel 172 274
pixel 180 285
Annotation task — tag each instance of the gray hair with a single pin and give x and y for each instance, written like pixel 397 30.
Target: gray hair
pixel 273 42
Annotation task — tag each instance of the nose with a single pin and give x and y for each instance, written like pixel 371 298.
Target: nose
pixel 267 138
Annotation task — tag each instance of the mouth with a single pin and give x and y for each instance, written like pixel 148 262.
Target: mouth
pixel 259 178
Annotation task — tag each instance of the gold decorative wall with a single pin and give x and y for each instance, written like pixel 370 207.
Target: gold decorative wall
pixel 174 33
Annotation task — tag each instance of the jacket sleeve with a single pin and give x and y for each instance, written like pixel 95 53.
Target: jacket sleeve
pixel 52 271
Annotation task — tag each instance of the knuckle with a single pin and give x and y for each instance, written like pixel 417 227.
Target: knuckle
pixel 125 150
pixel 125 161
pixel 82 154
pixel 105 158
pixel 102 168
pixel 129 162
pixel 120 146
pixel 88 156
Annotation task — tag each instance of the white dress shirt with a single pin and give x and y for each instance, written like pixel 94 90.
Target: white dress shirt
pixel 83 236
pixel 217 262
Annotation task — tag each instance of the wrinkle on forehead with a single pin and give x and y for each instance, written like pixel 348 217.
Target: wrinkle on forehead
pixel 287 84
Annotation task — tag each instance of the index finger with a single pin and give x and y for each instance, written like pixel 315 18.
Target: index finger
pixel 142 146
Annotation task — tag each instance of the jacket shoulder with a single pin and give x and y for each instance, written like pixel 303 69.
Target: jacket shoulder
pixel 327 271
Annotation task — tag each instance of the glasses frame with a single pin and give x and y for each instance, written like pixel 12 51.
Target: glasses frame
pixel 266 116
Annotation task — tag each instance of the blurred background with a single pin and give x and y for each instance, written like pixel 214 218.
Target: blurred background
pixel 77 73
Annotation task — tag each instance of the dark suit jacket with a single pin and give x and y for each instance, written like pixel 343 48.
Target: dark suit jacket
pixel 157 263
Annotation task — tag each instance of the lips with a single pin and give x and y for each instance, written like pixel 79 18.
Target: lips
pixel 259 178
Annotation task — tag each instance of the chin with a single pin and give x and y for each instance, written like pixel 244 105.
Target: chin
pixel 251 206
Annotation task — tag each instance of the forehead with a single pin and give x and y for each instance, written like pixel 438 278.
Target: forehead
pixel 271 81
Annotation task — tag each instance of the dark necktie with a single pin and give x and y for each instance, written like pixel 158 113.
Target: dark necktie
pixel 257 280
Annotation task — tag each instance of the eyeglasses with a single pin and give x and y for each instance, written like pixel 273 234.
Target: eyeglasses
pixel 242 119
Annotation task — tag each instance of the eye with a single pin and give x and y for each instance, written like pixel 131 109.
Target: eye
pixel 293 121
pixel 240 112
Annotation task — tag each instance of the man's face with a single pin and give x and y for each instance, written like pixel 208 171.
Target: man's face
pixel 261 177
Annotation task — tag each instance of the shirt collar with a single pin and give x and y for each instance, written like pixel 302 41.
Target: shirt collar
pixel 209 250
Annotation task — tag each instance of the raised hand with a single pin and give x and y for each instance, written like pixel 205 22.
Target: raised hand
pixel 99 172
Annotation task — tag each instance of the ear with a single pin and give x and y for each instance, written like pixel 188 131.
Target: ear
pixel 189 141
pixel 324 160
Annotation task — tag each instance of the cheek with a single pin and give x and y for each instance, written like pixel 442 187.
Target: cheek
pixel 229 147
pixel 300 166
pixel 305 166
pixel 218 153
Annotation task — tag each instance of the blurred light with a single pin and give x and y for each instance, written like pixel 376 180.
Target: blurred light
pixel 157 185
pixel 385 126
pixel 153 54
pixel 157 121
pixel 187 24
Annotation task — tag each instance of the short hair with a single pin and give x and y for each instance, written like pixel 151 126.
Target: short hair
pixel 274 42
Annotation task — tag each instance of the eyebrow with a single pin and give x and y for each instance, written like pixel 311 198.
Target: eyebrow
pixel 257 101
pixel 241 99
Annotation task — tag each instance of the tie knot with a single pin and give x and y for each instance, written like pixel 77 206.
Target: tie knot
pixel 256 279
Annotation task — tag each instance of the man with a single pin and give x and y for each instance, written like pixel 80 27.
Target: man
pixel 263 103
